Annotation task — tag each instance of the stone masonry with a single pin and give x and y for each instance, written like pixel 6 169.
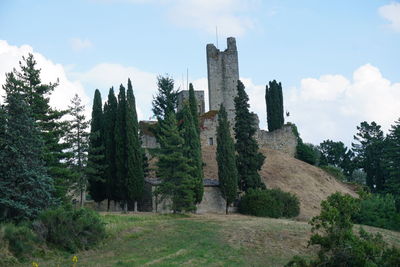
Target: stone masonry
pixel 184 96
pixel 223 74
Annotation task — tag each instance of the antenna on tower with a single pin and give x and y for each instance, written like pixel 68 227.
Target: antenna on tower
pixel 187 78
pixel 216 34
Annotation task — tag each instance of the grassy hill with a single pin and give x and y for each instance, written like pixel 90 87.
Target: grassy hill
pixel 309 183
pixel 198 240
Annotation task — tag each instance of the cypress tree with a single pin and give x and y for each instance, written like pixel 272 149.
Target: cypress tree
pixel 249 159
pixel 96 166
pixel 134 178
pixel 192 151
pixel 25 187
pixel 120 143
pixel 77 139
pixel 110 116
pixel 193 108
pixel 274 101
pixel 227 172
pixel 174 168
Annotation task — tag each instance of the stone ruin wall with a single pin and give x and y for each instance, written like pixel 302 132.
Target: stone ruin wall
pixel 282 139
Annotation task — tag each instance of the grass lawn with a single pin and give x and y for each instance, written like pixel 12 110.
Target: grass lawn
pixel 196 240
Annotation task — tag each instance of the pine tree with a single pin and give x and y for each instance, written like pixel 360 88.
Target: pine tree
pixel 134 178
pixel 226 159
pixel 25 187
pixel 77 139
pixel 173 167
pixel 249 159
pixel 192 150
pixel 274 100
pixel 110 115
pixel 392 160
pixel 166 99
pixel 49 122
pixel 120 143
pixel 369 151
pixel 96 166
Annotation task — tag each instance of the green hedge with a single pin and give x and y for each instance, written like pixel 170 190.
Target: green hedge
pixel 272 203
pixel 71 229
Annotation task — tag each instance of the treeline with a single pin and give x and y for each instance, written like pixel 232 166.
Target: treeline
pixel 116 160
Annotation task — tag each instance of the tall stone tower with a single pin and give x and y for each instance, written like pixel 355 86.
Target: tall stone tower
pixel 223 74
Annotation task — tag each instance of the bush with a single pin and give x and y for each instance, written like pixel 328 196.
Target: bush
pixel 332 231
pixel 20 240
pixel 379 211
pixel 71 229
pixel 334 171
pixel 307 153
pixel 272 203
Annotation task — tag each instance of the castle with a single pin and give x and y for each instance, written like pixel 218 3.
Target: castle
pixel 223 75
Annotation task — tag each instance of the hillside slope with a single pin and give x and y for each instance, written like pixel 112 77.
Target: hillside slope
pixel 309 183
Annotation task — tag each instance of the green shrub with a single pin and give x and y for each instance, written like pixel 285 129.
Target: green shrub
pixel 71 229
pixel 379 211
pixel 307 153
pixel 272 203
pixel 334 171
pixel 21 240
pixel 332 231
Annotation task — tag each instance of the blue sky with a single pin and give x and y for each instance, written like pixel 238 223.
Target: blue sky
pixel 338 61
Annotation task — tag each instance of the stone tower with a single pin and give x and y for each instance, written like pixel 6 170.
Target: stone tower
pixel 223 74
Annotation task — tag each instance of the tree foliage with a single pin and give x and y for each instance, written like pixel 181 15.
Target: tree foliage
pixel 166 99
pixel 77 138
pixel 25 187
pixel 174 169
pixel 110 116
pixel 392 160
pixel 96 165
pixel 226 159
pixel 369 149
pixel 274 101
pixel 249 159
pixel 336 154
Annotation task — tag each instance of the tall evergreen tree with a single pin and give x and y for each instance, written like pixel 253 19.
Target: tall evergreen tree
pixel 49 122
pixel 369 151
pixel 336 154
pixel 25 187
pixel 249 159
pixel 193 108
pixel 392 160
pixel 134 178
pixel 96 165
pixel 166 99
pixel 110 116
pixel 192 150
pixel 226 159
pixel 274 101
pixel 77 138
pixel 120 143
pixel 173 167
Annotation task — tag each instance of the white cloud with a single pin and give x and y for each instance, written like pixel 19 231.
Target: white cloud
pixel 78 44
pixel 10 56
pixel 332 106
pixel 228 15
pixel 391 12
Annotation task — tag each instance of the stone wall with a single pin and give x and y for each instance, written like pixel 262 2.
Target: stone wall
pixel 184 96
pixel 223 74
pixel 282 140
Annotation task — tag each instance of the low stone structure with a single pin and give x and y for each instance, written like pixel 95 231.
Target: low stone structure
pixel 212 202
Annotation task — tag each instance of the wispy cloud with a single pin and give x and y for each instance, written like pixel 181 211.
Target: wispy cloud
pixel 78 44
pixel 391 12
